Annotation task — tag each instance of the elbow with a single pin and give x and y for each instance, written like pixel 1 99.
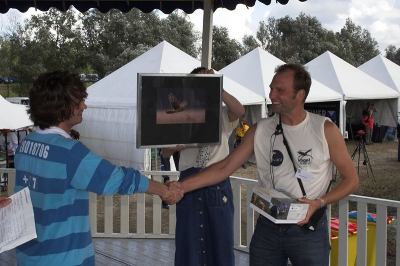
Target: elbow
pixel 242 112
pixel 355 185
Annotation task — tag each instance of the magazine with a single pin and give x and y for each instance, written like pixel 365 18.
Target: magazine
pixel 278 205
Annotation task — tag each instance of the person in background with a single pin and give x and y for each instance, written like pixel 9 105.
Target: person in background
pixel 9 147
pixel 60 173
pixel 368 122
pixel 4 201
pixel 240 131
pixel 12 141
pixel 74 134
pixel 370 105
pixel 204 217
pixel 316 144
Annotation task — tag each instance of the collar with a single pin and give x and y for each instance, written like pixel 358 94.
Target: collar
pixel 53 130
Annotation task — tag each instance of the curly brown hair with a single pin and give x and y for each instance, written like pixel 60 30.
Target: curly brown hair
pixel 54 96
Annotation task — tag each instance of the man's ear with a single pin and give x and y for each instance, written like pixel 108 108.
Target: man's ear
pixel 301 94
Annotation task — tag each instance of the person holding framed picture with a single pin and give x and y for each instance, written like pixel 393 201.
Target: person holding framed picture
pixel 204 217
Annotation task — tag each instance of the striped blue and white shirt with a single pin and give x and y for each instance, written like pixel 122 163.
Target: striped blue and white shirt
pixel 60 172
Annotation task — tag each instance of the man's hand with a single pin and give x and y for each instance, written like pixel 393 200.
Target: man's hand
pixel 175 186
pixel 174 194
pixel 312 207
pixel 4 201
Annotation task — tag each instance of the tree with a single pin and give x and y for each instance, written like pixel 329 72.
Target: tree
pixel 114 39
pixel 9 49
pixel 249 44
pixel 224 49
pixel 393 54
pixel 356 46
pixel 296 40
pixel 180 32
pixel 59 38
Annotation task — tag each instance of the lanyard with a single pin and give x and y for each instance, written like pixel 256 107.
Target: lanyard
pixel 294 166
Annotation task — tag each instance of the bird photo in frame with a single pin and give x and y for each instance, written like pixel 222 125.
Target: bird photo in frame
pixel 176 104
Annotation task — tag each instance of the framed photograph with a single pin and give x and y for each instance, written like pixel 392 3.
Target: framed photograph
pixel 177 109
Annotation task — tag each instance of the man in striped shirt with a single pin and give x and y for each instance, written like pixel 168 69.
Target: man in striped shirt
pixel 60 172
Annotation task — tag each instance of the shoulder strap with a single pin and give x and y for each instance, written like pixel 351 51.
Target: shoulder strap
pixel 294 166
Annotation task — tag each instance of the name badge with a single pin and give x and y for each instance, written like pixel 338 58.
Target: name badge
pixel 304 175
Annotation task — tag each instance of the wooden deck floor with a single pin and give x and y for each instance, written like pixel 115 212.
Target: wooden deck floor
pixel 132 252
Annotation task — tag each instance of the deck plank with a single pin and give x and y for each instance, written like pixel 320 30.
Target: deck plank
pixel 132 252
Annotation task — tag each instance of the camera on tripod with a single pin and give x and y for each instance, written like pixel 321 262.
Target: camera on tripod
pixel 361 148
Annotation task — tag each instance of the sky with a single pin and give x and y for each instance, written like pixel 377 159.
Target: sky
pixel 380 17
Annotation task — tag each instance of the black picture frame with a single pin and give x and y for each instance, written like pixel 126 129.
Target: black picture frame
pixel 195 119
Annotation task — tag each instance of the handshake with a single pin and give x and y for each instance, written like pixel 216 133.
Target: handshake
pixel 174 193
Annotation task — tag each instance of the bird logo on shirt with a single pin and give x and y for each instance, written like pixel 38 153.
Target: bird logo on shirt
pixel 305 157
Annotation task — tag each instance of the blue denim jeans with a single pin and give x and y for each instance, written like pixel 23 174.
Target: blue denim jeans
pixel 204 225
pixel 273 244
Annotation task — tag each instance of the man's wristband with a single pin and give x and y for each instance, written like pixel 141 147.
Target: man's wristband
pixel 322 202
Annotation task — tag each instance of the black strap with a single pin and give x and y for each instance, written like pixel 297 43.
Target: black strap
pixel 294 166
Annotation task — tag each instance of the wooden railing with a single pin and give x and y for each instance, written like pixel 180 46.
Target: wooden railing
pixel 243 228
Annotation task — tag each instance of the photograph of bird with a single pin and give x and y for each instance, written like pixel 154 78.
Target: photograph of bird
pixel 176 104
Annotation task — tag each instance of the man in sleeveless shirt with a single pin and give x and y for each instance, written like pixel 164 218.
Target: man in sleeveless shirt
pixel 316 144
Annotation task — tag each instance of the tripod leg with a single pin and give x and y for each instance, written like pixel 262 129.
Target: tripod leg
pixel 357 149
pixel 367 162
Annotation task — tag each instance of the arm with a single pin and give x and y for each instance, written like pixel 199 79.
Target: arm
pixel 342 161
pixel 364 120
pixel 223 169
pixel 235 108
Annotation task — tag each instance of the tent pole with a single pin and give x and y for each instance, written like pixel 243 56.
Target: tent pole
pixel 207 34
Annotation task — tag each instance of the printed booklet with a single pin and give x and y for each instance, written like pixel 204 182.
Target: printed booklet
pixel 278 205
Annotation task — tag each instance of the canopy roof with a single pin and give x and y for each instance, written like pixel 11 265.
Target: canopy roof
pixel 126 5
pixel 383 70
pixel 13 116
pixel 256 69
pixel 119 89
pixel 347 80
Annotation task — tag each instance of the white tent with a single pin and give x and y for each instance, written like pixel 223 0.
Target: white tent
pixel 13 116
pixel 357 88
pixel 385 71
pixel 256 69
pixel 109 122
